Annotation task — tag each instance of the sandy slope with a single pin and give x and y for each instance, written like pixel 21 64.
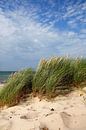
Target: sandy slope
pixel 63 113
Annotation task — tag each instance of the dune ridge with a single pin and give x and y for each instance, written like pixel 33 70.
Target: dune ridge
pixel 62 113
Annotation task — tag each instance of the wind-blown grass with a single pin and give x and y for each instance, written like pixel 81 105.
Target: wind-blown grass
pixel 80 71
pixel 54 76
pixel 58 75
pixel 17 86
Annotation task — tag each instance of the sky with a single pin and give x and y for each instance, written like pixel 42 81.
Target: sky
pixel 35 29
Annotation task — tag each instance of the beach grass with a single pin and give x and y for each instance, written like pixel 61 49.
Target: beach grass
pixel 54 76
pixel 80 71
pixel 59 75
pixel 18 85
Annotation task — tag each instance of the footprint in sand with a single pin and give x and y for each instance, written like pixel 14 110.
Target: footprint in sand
pixel 74 122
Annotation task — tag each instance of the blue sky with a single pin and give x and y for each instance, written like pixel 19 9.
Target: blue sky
pixel 35 29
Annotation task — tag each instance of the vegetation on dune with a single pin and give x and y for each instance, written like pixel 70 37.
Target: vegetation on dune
pixel 53 76
pixel 58 75
pixel 18 84
pixel 80 71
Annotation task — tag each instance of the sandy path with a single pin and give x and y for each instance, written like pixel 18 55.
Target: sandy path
pixel 63 113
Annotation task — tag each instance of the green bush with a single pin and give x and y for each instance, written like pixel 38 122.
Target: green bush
pixel 16 87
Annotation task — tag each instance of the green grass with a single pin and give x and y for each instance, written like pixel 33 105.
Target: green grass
pixel 54 76
pixel 80 71
pixel 57 75
pixel 16 87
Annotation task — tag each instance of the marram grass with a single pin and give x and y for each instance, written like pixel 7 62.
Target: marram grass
pixel 58 75
pixel 54 76
pixel 16 87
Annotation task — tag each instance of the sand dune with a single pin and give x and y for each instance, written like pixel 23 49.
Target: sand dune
pixel 62 113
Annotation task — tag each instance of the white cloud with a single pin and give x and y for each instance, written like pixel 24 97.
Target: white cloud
pixel 6 26
pixel 24 40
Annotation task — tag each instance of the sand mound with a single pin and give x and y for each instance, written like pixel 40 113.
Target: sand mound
pixel 62 113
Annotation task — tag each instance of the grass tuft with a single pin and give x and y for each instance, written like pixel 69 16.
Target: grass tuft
pixel 54 76
pixel 57 75
pixel 18 85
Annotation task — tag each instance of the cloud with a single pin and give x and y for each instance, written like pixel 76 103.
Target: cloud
pixel 24 39
pixel 75 14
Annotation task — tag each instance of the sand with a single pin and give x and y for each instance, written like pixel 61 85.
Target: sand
pixel 62 113
pixel 1 85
